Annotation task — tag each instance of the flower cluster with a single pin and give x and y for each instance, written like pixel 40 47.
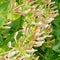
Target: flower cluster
pixel 38 16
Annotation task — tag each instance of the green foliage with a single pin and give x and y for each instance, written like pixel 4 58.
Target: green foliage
pixel 1 21
pixel 16 25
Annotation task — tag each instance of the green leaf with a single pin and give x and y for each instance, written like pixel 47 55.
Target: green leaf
pixel 56 47
pixel 1 21
pixel 17 24
pixel 4 5
pixel 1 40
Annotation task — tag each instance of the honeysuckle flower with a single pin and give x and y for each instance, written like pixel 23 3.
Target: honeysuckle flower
pixel 41 38
pixel 39 43
pixel 37 58
pixel 31 51
pixel 49 20
pixel 12 53
pixel 26 56
pixel 25 12
pixel 9 23
pixel 5 27
pixel 9 44
pixel 39 23
pixel 55 7
pixel 15 36
pixel 44 25
pixel 19 58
